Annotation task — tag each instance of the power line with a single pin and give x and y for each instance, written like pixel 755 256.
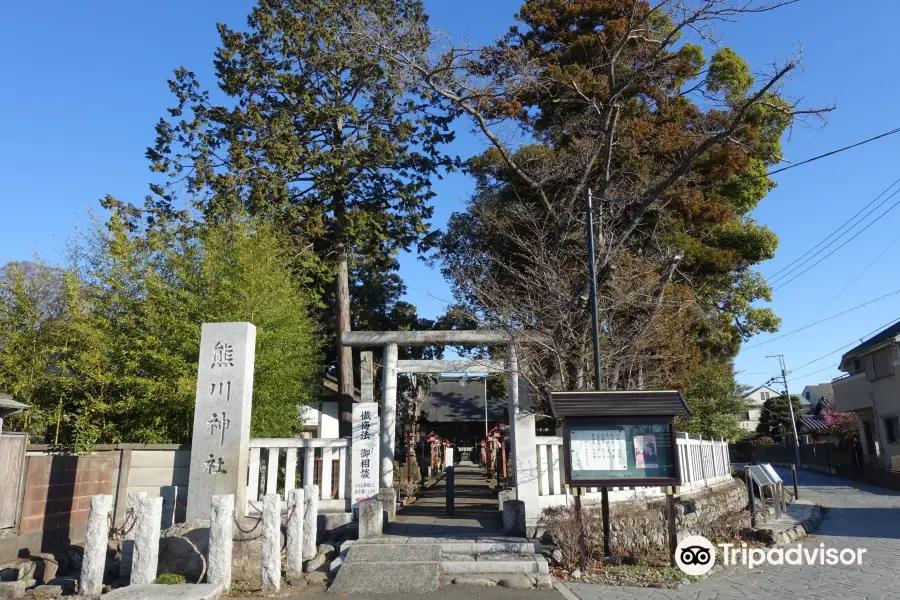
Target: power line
pixel 853 343
pixel 861 273
pixel 826 319
pixel 774 275
pixel 765 175
pixel 853 237
pixel 814 372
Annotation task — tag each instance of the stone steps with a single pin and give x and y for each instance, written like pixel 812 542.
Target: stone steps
pixel 414 566
pixel 493 562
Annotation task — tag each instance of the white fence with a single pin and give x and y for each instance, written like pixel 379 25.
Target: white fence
pixel 320 461
pixel 703 463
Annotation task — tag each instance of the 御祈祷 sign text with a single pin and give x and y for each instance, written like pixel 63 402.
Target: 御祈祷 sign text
pixel 365 459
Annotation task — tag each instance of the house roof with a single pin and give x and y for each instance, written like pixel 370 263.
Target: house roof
pixel 882 336
pixel 9 406
pixel 823 390
pixel 618 403
pixel 460 399
pixel 762 387
pixel 329 389
pixel 811 423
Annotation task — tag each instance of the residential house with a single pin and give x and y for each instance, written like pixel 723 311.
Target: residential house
pixel 870 387
pixel 812 427
pixel 755 399
pixel 813 395
pixel 320 419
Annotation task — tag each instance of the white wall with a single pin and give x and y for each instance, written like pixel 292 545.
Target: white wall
pixel 329 427
pixel 754 400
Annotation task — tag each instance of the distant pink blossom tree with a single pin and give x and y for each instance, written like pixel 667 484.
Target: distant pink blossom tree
pixel 842 424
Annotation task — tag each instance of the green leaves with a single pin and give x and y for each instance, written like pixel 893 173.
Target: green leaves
pixel 113 355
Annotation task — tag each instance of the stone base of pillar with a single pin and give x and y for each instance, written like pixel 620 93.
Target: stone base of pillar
pixel 514 518
pixel 388 499
pixel 371 519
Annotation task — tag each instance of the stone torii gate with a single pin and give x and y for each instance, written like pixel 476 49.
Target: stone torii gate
pixel 522 432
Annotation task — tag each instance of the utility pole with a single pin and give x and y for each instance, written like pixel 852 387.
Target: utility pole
pixel 790 404
pixel 598 382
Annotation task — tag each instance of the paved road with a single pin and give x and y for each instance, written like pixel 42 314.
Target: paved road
pixel 859 516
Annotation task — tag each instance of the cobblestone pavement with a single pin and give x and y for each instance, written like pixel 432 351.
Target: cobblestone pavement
pixel 859 516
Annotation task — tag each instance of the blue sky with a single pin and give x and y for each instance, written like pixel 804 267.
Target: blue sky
pixel 85 83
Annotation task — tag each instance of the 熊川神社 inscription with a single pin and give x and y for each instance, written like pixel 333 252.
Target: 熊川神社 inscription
pixel 365 461
pixel 221 434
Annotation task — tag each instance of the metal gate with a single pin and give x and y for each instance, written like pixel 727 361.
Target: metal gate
pixel 12 466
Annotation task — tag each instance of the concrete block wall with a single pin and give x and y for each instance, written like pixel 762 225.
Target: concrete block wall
pixel 151 469
pixel 58 490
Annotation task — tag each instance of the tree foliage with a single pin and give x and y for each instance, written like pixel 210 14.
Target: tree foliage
pixel 115 349
pixel 613 97
pixel 320 135
pixel 775 416
pixel 716 400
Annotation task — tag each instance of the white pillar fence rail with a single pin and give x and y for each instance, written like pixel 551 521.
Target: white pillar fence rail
pixel 703 463
pixel 324 462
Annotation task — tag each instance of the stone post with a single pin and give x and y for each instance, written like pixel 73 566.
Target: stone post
pixel 514 518
pixel 310 520
pixel 366 377
pixel 371 520
pixel 295 518
pixel 169 495
pixel 525 464
pixel 388 414
pixel 388 498
pixel 130 526
pixel 146 540
pixel 271 543
pixel 221 433
pixel 221 528
pixel 93 561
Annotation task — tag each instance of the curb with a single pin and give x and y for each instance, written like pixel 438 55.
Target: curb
pixel 800 530
pixel 563 589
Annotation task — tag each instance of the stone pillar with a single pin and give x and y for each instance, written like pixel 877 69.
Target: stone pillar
pixel 271 543
pixel 366 377
pixel 388 498
pixel 310 520
pixel 371 521
pixel 365 452
pixel 503 496
pixel 221 528
pixel 388 414
pixel 524 450
pixel 146 540
pixel 130 526
pixel 93 561
pixel 512 371
pixel 169 495
pixel 294 538
pixel 221 434
pixel 514 518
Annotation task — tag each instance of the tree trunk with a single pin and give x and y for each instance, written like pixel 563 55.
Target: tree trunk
pixel 345 353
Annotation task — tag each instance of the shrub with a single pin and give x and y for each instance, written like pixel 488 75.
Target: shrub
pixel 171 579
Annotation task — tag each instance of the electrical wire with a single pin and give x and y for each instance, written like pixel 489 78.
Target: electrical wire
pixel 765 175
pixel 825 320
pixel 861 273
pixel 853 343
pixel 853 237
pixel 775 275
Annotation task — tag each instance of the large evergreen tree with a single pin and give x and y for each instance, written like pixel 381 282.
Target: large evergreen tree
pixel 611 96
pixel 319 134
